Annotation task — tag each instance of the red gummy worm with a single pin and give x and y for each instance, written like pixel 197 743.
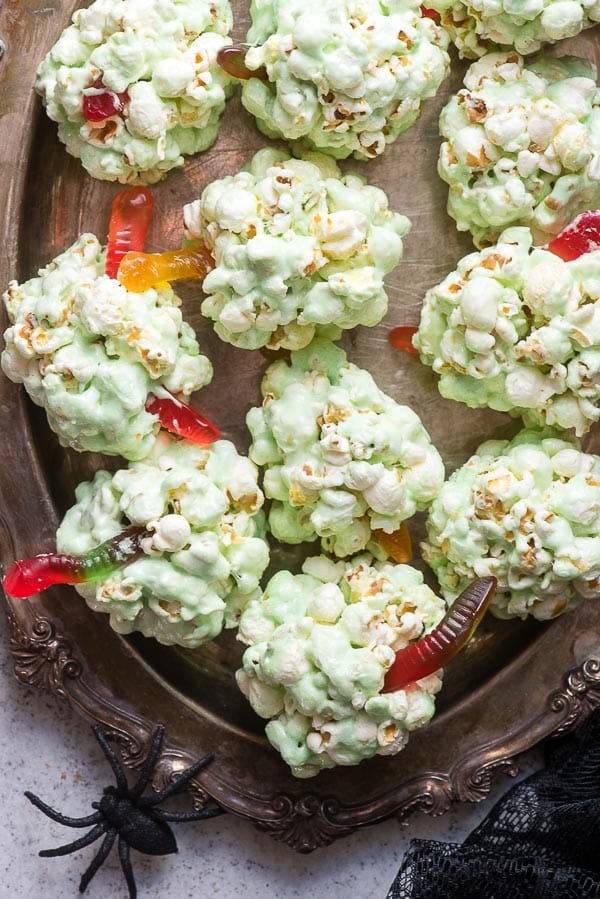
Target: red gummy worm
pixel 28 576
pixel 437 648
pixel 98 107
pixel 180 419
pixel 401 339
pixel 130 219
pixel 428 13
pixel 580 237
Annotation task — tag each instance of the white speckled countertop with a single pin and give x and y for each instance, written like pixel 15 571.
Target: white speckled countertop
pixel 46 748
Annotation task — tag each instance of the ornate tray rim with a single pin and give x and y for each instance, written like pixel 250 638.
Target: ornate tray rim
pixel 46 657
pixel 51 654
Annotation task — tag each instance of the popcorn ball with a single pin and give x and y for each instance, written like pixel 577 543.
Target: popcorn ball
pixel 320 644
pixel 341 458
pixel 299 250
pixel 203 552
pixel 134 84
pixel 522 145
pixel 91 353
pixel 344 76
pixel 526 511
pixel 517 329
pixel 525 26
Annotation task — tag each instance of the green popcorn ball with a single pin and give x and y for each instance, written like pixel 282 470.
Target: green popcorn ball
pixel 522 145
pixel 526 511
pixel 159 56
pixel 299 250
pixel 344 77
pixel 524 25
pixel 205 551
pixel 91 352
pixel 320 644
pixel 517 329
pixel 341 458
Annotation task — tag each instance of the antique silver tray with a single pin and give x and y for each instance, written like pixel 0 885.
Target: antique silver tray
pixel 516 683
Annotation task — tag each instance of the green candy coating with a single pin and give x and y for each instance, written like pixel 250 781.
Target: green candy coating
pixel 163 54
pixel 320 644
pixel 299 249
pixel 518 330
pixel 205 553
pixel 341 457
pixel 90 352
pixel 345 76
pixel 526 511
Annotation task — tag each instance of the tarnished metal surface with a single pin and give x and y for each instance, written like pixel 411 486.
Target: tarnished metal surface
pixel 508 690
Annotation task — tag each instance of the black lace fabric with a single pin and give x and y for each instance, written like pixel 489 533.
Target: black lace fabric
pixel 540 841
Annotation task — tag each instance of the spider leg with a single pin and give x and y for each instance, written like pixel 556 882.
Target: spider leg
pixel 188 816
pixel 126 866
pixel 62 819
pixel 98 860
pixel 150 762
pixel 97 831
pixel 181 780
pixel 112 758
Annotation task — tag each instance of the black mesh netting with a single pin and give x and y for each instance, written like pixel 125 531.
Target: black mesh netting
pixel 540 841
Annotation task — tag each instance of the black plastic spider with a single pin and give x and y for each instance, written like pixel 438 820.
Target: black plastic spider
pixel 125 813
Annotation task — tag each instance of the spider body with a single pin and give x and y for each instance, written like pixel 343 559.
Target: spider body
pixel 124 813
pixel 138 826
